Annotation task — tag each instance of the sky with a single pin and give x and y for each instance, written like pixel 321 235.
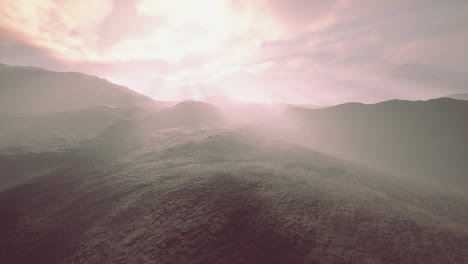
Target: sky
pixel 299 51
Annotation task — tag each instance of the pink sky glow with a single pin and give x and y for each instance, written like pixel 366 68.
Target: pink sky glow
pixel 300 51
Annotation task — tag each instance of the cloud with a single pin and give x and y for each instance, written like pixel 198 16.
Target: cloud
pixel 124 22
pixel 16 50
pixel 266 49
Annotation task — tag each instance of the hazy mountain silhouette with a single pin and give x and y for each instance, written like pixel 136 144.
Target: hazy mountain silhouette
pixel 411 81
pixel 418 138
pixel 430 74
pixel 186 113
pixel 432 79
pixel 35 90
pixel 463 96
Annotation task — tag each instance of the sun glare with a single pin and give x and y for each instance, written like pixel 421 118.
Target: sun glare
pixel 190 26
pixel 188 42
pixel 198 28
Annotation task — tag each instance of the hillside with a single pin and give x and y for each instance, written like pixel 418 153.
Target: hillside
pixel 35 90
pixel 58 130
pixel 423 139
pixel 211 194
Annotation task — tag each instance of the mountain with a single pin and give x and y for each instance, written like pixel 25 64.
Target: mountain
pixel 35 90
pixel 433 81
pixel 410 81
pixel 103 180
pixel 418 138
pixel 214 194
pixel 463 96
pixel 188 112
pixel 425 73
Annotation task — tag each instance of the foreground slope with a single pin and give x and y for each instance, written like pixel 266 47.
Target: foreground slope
pixel 416 138
pixel 208 193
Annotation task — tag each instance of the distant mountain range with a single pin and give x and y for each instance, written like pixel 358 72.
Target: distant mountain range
pixel 430 75
pixel 35 90
pixel 431 80
pixel 463 96
pixel 411 81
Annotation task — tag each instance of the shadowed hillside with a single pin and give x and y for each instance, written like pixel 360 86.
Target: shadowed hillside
pixel 417 138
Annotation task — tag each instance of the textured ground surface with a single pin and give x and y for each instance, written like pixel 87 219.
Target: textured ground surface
pixel 213 194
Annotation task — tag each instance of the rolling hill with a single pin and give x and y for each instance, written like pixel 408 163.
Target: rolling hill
pixel 212 194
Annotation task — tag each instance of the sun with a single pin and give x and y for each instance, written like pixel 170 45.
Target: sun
pixel 189 27
pixel 210 14
pixel 208 33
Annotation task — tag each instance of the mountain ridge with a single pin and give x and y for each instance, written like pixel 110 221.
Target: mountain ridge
pixel 36 90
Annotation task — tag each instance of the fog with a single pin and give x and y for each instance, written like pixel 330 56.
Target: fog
pixel 233 132
pixel 420 141
pixel 96 173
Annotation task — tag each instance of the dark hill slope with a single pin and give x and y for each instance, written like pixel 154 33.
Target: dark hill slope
pixel 419 138
pixel 208 194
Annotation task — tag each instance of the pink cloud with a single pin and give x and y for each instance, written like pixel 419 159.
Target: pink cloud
pixel 275 50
